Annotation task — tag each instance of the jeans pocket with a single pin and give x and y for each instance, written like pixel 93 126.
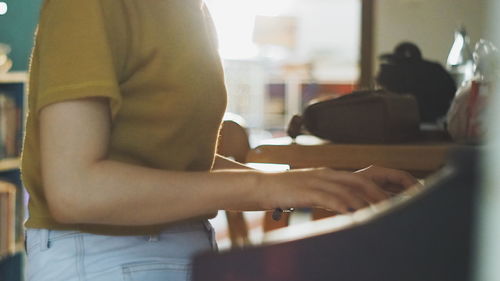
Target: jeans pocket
pixel 175 270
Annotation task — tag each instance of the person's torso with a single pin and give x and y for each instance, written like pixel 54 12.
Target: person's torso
pixel 172 88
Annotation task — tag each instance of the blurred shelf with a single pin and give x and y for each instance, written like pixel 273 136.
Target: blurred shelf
pixel 18 248
pixel 9 164
pixel 14 85
pixel 14 77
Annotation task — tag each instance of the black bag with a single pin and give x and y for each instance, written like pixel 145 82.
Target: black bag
pixel 361 117
pixel 406 72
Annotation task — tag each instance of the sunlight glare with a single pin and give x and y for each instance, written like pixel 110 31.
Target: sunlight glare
pixel 234 20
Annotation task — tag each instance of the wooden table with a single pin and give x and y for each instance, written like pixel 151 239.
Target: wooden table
pixel 420 158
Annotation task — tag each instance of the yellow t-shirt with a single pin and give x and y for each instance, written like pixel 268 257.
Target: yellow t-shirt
pixel 156 61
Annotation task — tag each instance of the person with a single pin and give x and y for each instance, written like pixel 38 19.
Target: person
pixel 125 102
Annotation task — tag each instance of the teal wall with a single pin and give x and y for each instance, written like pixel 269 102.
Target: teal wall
pixel 17 29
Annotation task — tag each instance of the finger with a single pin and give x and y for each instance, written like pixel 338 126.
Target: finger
pixel 385 176
pixel 317 192
pixel 368 189
pixel 393 188
pixel 391 176
pixel 351 197
pixel 328 201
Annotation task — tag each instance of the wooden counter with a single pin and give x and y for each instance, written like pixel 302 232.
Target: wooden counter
pixel 420 159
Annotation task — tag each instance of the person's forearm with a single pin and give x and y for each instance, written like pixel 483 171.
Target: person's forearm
pixel 115 193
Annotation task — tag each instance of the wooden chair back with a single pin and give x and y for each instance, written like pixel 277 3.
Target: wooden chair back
pixel 234 143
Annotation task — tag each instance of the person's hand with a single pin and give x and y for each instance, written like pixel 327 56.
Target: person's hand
pixel 390 180
pixel 324 188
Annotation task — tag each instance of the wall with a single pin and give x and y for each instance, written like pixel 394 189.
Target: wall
pixel 327 32
pixel 17 28
pixel 329 35
pixel 428 23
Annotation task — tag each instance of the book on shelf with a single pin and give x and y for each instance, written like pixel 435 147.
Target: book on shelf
pixel 10 126
pixel 12 110
pixel 7 218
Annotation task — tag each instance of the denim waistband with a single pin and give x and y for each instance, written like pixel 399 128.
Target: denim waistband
pixel 45 236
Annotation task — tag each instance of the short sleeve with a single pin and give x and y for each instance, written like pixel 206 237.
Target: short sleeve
pixel 75 53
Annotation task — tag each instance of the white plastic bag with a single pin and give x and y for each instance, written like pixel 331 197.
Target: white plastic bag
pixel 465 118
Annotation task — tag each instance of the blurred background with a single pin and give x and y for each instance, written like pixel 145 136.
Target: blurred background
pixel 280 54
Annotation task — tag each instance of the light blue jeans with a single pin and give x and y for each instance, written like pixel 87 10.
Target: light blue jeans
pixel 76 256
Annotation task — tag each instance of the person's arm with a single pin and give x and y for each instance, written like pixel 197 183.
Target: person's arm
pixel 392 181
pixel 83 186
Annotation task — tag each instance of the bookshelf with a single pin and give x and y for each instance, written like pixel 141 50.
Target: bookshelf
pixel 13 101
pixel 9 164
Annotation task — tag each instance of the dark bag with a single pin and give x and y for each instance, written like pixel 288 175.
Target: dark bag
pixel 361 117
pixel 406 72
